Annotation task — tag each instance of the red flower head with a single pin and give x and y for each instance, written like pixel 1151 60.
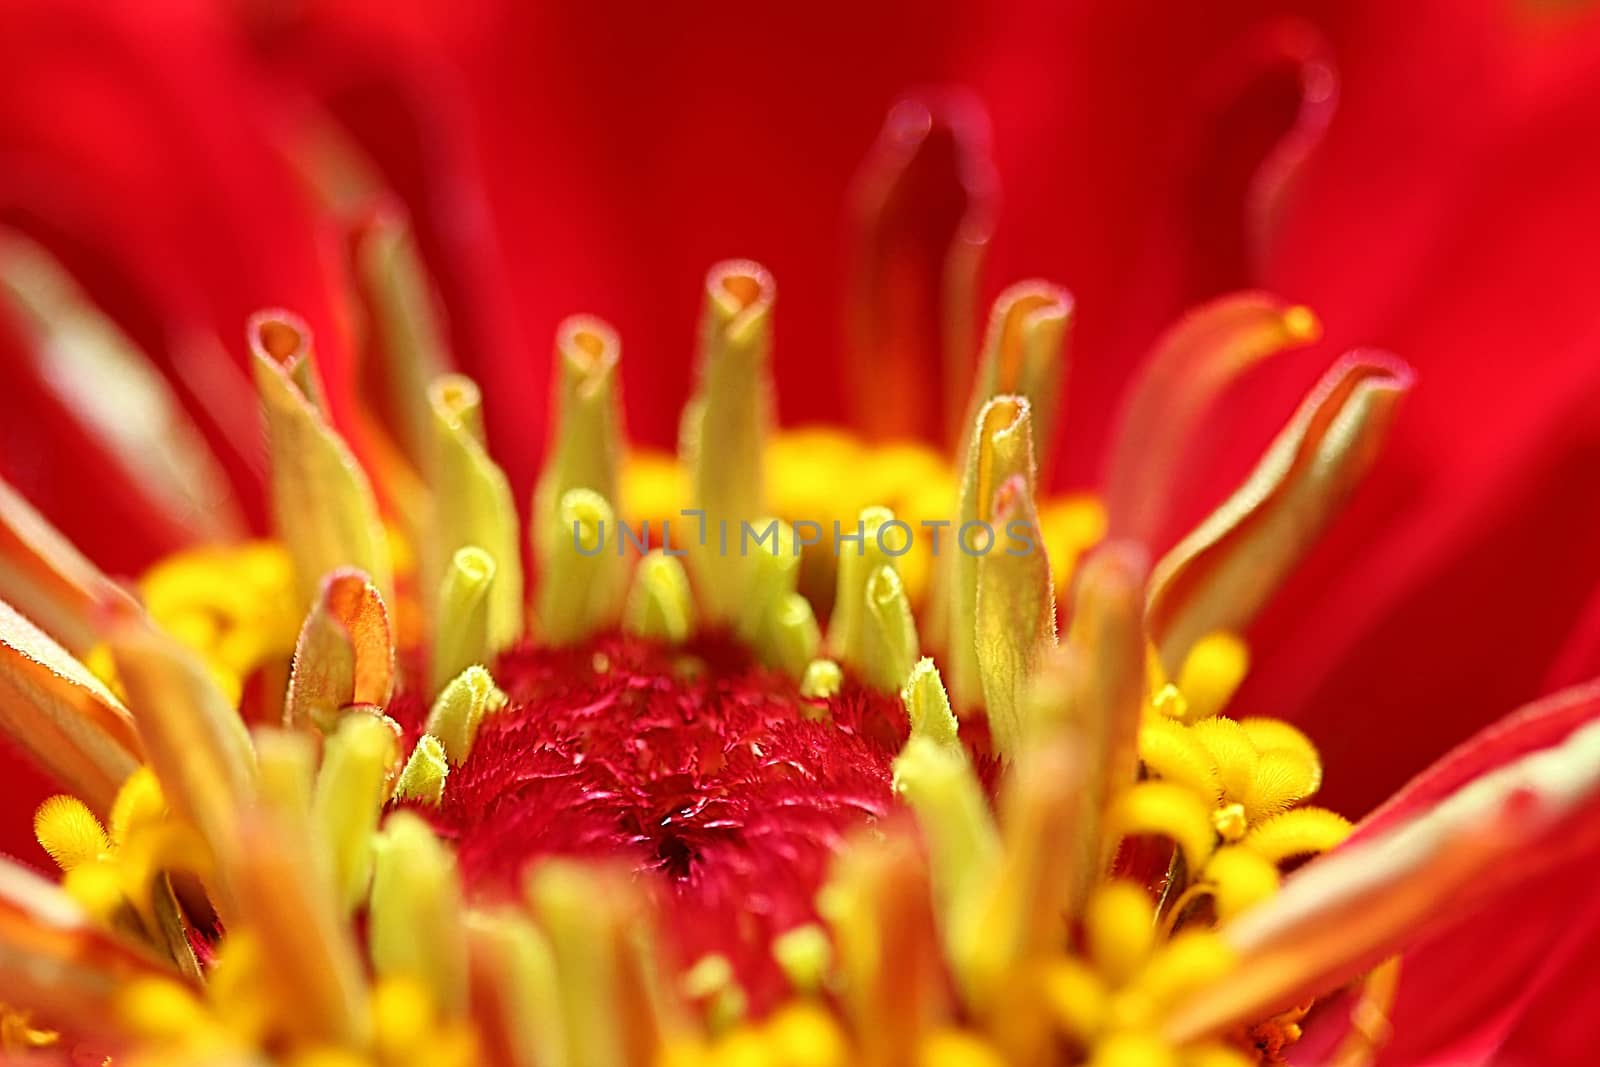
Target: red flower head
pixel 971 718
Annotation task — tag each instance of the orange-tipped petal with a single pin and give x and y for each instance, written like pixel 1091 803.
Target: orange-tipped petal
pixel 62 715
pixel 50 580
pixel 344 655
pixel 193 738
pixel 322 502
pixel 54 960
pixel 1219 576
pixel 1193 362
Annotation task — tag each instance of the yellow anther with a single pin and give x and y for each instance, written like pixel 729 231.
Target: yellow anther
pixel 585 447
pixel 1239 878
pixel 1119 926
pixel 1169 750
pixel 888 648
pixel 858 560
pixel 1275 735
pixel 1216 1054
pixel 472 505
pixel 68 830
pixel 582 589
pixel 805 954
pixel 416 926
pixel 963 843
pixel 1133 1049
pixel 1300 832
pixel 460 709
pixel 1211 673
pixel 425 773
pixel 161 1008
pixel 957 1048
pixel 660 604
pixel 98 889
pixel 1192 960
pixel 351 789
pixel 822 679
pixel 461 635
pixel 1230 822
pixel 1281 780
pixel 1077 997
pixel 806 1035
pixel 322 503
pixel 725 425
pixel 1167 810
pixel 928 706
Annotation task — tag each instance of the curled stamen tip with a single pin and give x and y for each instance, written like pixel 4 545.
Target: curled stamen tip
pixel 279 336
pixel 589 346
pixel 741 288
pixel 455 395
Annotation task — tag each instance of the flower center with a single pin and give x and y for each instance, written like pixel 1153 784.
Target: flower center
pixel 692 762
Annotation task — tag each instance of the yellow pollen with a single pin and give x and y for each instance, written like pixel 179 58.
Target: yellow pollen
pixel 1230 822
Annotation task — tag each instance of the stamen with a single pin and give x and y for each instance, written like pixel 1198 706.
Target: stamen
pixel 822 679
pixel 856 566
pixel 1002 447
pixel 805 954
pixel 582 590
pixel 660 604
pixel 725 425
pixel 610 1002
pixel 1301 832
pixel 416 917
pixel 888 646
pixel 1016 608
pixel 1166 810
pixel 521 1011
pixel 357 762
pixel 928 706
pixel 471 505
pixel 459 711
pixel 585 449
pixel 938 782
pixel 425 773
pixel 63 715
pixel 322 502
pixel 405 335
pixel 462 637
pixel 1212 672
pixel 69 832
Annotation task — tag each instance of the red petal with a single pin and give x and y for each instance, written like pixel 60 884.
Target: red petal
pixel 1458 1005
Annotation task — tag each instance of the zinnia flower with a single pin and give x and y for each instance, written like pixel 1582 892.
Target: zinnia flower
pixel 719 805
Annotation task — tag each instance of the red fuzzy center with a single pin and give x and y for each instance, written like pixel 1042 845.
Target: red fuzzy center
pixel 693 764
